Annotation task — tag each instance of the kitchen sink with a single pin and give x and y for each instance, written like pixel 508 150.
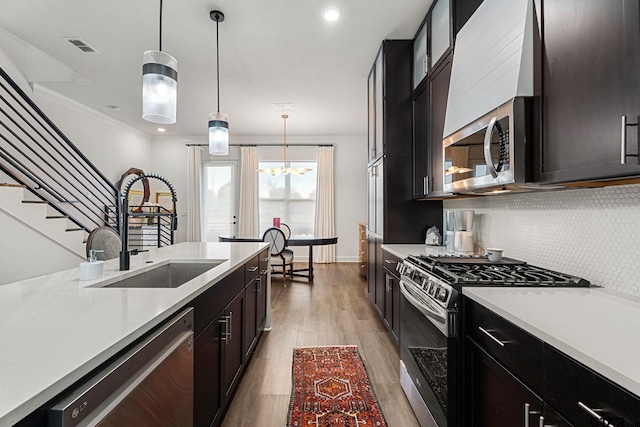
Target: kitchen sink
pixel 170 275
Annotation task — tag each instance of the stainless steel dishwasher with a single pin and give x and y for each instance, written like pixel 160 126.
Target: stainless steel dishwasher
pixel 150 385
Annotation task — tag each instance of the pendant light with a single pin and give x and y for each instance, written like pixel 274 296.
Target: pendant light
pixel 159 84
pixel 284 170
pixel 218 122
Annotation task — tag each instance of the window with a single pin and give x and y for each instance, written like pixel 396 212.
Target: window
pixel 292 198
pixel 219 200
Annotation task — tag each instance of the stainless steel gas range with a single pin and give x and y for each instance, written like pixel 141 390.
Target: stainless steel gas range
pixel 430 341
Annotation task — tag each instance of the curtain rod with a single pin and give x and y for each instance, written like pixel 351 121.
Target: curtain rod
pixel 264 145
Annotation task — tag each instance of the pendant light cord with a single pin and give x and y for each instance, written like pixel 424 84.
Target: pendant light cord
pixel 218 64
pixel 160 49
pixel 284 149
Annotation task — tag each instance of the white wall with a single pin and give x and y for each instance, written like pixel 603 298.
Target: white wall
pixel 169 158
pixel 590 233
pixel 110 145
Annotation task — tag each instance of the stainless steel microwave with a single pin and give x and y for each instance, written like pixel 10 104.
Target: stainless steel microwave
pixel 493 154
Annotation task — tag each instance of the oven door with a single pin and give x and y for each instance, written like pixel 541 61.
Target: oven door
pixel 427 355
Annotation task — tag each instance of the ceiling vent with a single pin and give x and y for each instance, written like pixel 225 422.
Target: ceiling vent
pixel 282 106
pixel 81 44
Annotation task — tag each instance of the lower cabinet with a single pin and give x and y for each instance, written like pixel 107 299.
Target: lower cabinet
pixel 255 300
pixel 224 346
pixel 511 376
pixel 391 315
pixel 384 286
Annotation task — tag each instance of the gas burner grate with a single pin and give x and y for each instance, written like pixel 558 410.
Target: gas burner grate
pixel 481 271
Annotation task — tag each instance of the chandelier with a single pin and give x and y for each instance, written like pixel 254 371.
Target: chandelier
pixel 284 170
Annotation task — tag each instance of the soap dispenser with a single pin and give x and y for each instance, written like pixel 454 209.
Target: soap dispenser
pixel 92 269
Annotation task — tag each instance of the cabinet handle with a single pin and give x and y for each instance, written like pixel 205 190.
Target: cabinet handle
pixel 388 286
pixel 623 142
pixel 528 412
pixel 389 261
pixel 491 336
pixel 258 285
pixel 230 324
pixel 593 413
pixel 265 259
pixel 225 334
pixel 252 269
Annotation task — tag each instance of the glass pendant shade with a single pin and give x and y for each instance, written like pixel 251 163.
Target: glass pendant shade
pixel 218 134
pixel 159 87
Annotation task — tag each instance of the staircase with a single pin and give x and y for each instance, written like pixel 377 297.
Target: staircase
pixel 55 189
pixel 19 203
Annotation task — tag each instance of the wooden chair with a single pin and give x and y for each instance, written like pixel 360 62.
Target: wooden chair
pixel 279 256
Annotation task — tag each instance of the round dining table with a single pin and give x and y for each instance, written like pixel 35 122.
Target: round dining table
pixel 294 241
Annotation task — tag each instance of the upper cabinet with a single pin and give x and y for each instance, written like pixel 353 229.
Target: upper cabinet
pixel 432 41
pixel 431 86
pixel 376 107
pixel 591 86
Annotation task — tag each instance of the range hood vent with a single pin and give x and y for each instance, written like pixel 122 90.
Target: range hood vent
pixel 493 61
pixel 81 44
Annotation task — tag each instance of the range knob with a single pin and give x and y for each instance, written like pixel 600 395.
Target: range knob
pixel 443 294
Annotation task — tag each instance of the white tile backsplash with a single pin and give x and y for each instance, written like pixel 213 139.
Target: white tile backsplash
pixel 590 233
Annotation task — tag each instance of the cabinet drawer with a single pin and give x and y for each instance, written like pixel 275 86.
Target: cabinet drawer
pixel 573 389
pixel 252 269
pixel 515 348
pixel 213 300
pixel 390 262
pixel 263 259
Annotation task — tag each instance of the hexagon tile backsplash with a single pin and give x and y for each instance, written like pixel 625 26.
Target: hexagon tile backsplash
pixel 590 233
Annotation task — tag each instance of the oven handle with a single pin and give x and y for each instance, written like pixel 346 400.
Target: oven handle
pixel 426 310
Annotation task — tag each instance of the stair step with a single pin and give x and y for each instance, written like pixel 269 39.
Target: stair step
pixel 74 229
pixel 56 216
pixel 39 202
pixel 6 184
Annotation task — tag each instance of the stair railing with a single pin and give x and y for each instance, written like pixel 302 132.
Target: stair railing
pixel 35 153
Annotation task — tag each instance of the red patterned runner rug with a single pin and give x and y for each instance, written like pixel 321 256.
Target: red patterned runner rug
pixel 331 389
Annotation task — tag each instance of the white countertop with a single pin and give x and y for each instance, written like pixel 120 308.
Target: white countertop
pixel 403 250
pixel 592 325
pixel 55 329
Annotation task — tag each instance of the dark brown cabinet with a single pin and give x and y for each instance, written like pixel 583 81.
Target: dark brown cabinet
pixel 207 400
pixel 510 375
pixel 590 82
pixel 391 314
pixel 393 215
pixel 496 397
pixel 218 363
pixel 229 319
pixel 584 397
pixel 232 320
pixel 255 300
pixel 429 109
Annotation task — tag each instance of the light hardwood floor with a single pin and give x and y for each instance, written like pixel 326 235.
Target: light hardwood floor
pixel 334 310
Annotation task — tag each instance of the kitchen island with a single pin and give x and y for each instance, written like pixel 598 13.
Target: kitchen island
pixel 56 329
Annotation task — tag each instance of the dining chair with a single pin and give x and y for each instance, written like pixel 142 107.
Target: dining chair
pixel 287 233
pixel 279 256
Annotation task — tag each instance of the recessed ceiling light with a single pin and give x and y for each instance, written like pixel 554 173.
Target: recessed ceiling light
pixel 331 13
pixel 113 107
pixel 161 129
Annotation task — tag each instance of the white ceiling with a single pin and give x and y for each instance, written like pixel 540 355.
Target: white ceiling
pixel 278 51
